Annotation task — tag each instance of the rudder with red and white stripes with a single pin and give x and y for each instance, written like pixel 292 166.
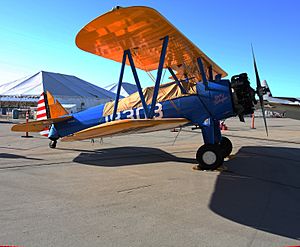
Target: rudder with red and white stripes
pixel 42 114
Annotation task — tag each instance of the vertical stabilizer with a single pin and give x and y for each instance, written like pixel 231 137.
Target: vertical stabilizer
pixel 55 108
pixel 268 91
pixel 47 108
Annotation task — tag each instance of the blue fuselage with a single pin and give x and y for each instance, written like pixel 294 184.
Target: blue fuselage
pixel 215 104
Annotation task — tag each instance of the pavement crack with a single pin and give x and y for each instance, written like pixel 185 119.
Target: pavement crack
pixel 133 189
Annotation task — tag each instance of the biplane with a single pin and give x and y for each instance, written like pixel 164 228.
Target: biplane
pixel 198 94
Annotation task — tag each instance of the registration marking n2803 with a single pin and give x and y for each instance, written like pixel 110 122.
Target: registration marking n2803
pixel 137 113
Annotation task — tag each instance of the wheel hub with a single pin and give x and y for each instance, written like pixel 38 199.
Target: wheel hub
pixel 209 157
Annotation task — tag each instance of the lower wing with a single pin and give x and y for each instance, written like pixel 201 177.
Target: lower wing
pixel 127 126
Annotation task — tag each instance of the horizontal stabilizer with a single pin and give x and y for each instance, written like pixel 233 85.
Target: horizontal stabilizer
pixel 37 126
pixel 126 126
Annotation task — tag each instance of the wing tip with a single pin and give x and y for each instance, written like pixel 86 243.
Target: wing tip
pixel 15 128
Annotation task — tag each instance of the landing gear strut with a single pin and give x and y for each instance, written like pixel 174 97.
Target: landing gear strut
pixel 209 157
pixel 52 144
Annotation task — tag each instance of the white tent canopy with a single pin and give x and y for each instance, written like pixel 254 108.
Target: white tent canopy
pixel 126 88
pixel 66 88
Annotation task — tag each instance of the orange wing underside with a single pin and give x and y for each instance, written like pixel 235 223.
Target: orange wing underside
pixel 127 126
pixel 141 29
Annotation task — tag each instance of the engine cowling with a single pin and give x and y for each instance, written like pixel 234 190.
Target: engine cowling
pixel 243 95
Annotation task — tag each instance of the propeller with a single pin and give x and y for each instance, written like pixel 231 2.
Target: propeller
pixel 259 91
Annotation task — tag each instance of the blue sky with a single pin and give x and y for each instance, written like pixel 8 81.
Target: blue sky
pixel 40 35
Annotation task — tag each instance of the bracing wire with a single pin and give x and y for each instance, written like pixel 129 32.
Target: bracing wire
pixel 177 136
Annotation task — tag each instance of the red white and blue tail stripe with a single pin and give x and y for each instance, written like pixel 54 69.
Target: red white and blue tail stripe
pixel 42 113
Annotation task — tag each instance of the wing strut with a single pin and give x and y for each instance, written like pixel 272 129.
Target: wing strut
pixel 127 53
pixel 210 71
pixel 203 75
pixel 119 85
pixel 159 73
pixel 176 80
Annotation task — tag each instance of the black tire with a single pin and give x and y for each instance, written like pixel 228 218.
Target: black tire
pixel 52 144
pixel 209 157
pixel 226 146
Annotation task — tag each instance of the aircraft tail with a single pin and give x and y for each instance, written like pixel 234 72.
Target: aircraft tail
pixel 49 108
pixel 268 91
pixel 49 111
pixel 39 125
pixel 42 114
pixel 54 107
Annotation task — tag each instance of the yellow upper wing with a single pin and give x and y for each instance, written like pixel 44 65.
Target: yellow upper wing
pixel 126 126
pixel 141 29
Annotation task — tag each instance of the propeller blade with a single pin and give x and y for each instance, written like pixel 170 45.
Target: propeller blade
pixel 261 101
pixel 258 84
pixel 259 90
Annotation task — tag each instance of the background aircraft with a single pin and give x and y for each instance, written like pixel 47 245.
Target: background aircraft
pixel 290 107
pixel 142 38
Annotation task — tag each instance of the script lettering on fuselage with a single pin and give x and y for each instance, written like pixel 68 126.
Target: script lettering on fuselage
pixel 137 113
pixel 220 99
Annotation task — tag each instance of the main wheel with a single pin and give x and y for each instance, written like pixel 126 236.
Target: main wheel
pixel 209 157
pixel 52 144
pixel 226 146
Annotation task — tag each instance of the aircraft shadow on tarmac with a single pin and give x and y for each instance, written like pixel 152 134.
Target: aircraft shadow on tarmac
pixel 5 122
pixel 15 156
pixel 261 190
pixel 124 156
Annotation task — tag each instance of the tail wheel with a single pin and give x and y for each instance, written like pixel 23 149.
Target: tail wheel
pixel 52 144
pixel 226 146
pixel 209 157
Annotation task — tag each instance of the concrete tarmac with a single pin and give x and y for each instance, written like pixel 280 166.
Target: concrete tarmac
pixel 140 190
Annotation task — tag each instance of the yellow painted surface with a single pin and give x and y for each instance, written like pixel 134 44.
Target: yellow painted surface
pixel 126 126
pixel 56 109
pixel 37 126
